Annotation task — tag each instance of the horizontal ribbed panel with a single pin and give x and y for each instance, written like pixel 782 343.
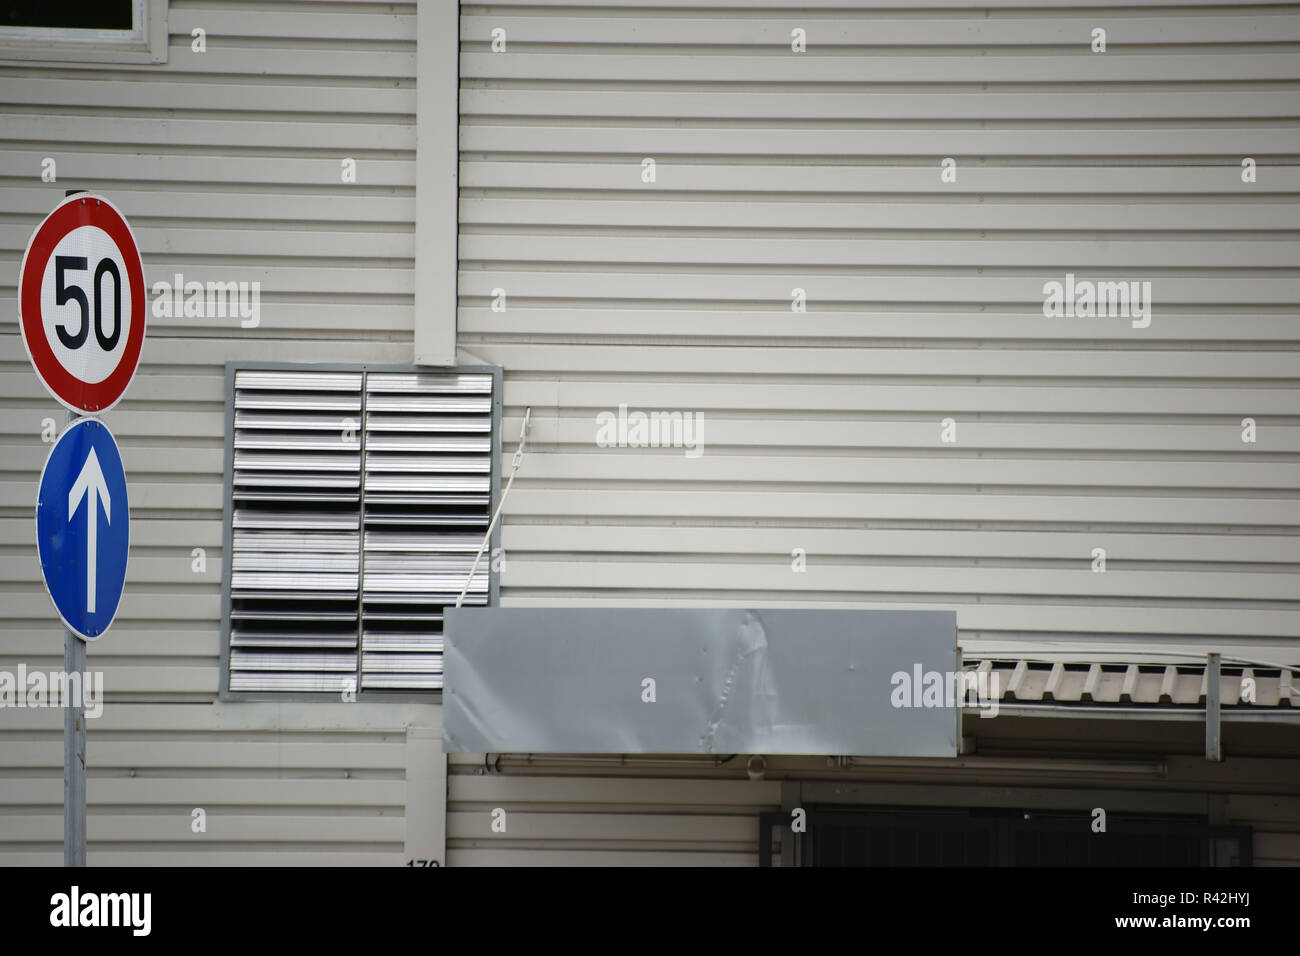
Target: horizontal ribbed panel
pixel 320 682
pixel 334 537
pixel 409 642
pixel 295 572
pixel 799 273
pixel 604 813
pixel 268 382
pixel 227 166
pixel 417 507
pixel 242 637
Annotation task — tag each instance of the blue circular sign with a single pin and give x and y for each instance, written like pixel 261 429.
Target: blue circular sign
pixel 83 527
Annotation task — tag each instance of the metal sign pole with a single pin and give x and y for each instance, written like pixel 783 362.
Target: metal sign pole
pixel 74 758
pixel 85 464
pixel 74 747
pixel 74 734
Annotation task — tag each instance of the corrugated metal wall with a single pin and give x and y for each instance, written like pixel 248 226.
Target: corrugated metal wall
pixel 821 171
pixel 644 811
pixel 228 165
pixel 598 819
pixel 280 785
pixel 774 171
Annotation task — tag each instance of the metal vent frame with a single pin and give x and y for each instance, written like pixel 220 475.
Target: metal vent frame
pixel 227 519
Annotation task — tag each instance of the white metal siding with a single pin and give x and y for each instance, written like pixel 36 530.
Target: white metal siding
pixel 596 819
pixel 775 171
pixel 227 164
pixel 821 171
pixel 283 785
pixel 642 811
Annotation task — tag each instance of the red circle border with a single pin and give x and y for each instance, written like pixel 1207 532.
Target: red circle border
pixel 81 209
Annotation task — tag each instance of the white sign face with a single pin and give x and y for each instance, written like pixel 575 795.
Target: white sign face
pixel 81 303
pixel 86 304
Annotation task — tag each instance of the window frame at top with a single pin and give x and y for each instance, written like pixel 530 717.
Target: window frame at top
pixel 433 696
pixel 145 42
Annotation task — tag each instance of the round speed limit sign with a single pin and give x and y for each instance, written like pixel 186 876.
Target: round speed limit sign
pixel 81 303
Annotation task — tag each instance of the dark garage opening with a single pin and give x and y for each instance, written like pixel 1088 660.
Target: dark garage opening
pixel 837 836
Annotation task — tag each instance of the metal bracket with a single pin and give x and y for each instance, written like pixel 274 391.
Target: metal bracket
pixel 1213 740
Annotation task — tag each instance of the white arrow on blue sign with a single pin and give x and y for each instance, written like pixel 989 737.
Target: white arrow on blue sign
pixel 83 527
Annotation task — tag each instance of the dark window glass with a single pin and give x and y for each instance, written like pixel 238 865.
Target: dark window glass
pixel 67 14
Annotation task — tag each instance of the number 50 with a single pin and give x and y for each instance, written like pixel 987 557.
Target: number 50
pixel 64 294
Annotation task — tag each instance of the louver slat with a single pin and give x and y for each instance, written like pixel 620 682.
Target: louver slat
pixel 296 536
pixel 426 506
pixel 359 502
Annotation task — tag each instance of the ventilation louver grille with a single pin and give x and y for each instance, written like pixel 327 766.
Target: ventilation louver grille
pixel 359 501
pixel 428 490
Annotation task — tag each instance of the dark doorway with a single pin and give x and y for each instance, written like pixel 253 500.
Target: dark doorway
pixel 842 836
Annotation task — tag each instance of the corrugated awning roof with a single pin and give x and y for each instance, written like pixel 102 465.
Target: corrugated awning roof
pixel 1093 684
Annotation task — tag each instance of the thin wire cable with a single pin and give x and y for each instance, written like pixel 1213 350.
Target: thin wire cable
pixel 514 467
